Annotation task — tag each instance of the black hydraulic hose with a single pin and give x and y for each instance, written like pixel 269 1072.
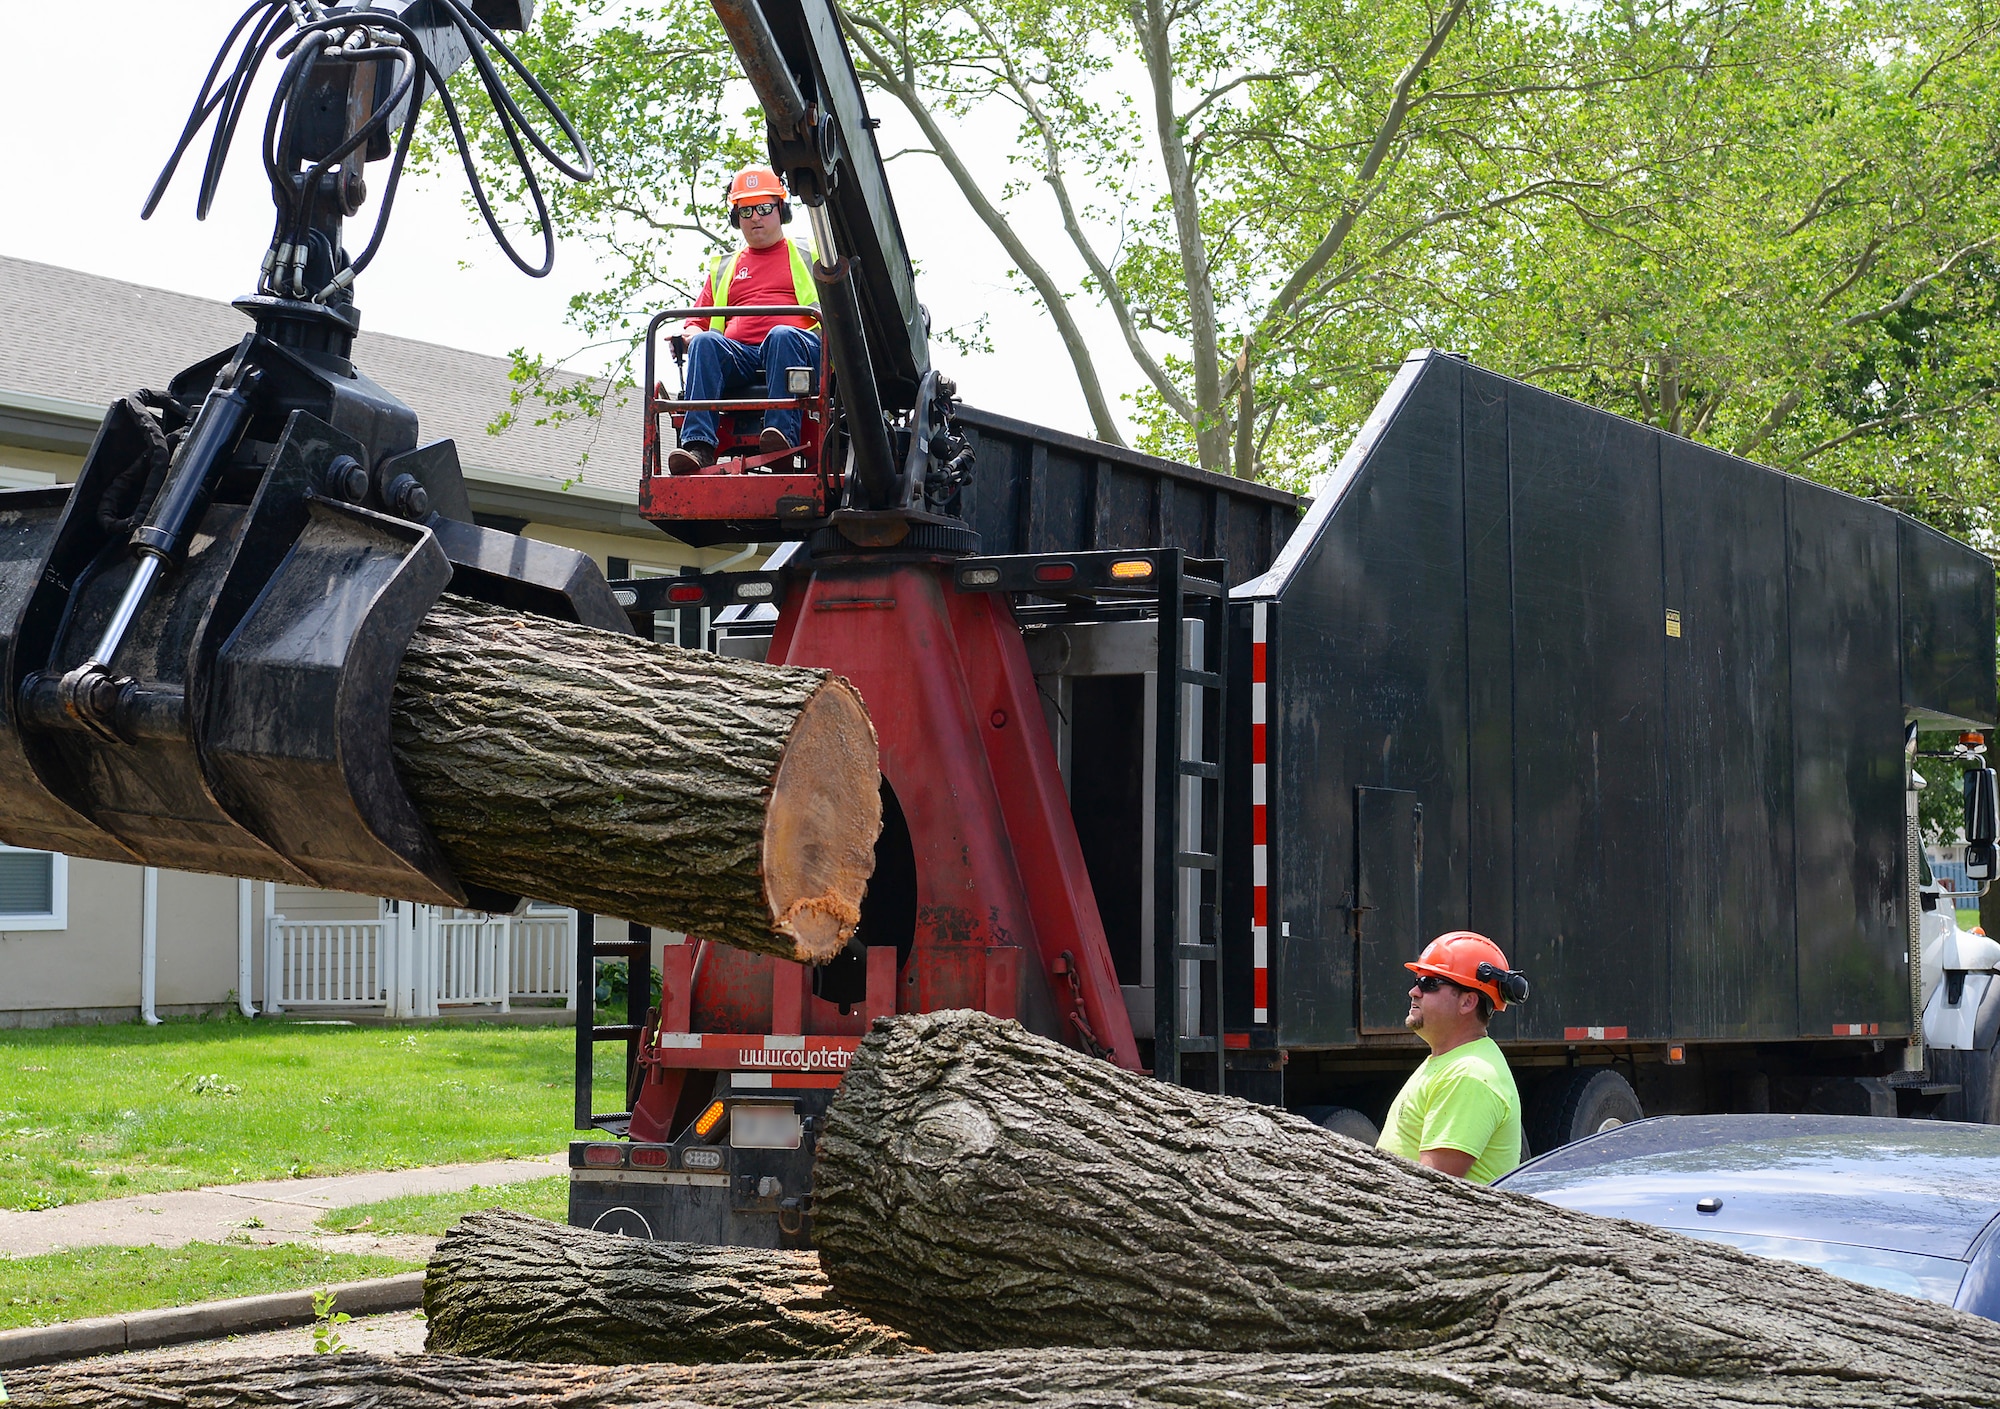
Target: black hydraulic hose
pixel 236 98
pixel 860 398
pixel 268 21
pixel 205 103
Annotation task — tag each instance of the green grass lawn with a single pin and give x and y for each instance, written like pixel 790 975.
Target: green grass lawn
pixel 99 1112
pixel 434 1214
pixel 68 1286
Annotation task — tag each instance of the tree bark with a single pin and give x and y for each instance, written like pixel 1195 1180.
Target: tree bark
pixel 735 800
pixel 516 1288
pixel 1453 1378
pixel 979 1187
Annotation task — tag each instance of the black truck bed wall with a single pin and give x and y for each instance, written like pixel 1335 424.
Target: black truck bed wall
pixel 1044 491
pixel 1631 706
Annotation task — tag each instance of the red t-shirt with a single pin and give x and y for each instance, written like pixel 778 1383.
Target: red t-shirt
pixel 762 277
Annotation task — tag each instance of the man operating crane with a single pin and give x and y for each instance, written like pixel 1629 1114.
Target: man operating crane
pixel 745 351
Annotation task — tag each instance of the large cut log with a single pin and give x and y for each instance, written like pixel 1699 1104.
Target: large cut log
pixel 1451 1378
pixel 511 1287
pixel 736 800
pixel 980 1187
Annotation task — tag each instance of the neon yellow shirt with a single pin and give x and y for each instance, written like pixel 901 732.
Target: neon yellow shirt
pixel 1464 1100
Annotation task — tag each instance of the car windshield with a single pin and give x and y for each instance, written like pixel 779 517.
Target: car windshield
pixel 1911 1273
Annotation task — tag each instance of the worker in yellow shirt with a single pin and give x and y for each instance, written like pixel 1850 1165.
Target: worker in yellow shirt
pixel 1459 1112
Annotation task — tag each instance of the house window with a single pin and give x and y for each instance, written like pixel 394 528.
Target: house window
pixel 34 890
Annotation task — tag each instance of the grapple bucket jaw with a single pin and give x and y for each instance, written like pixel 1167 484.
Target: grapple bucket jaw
pixel 242 724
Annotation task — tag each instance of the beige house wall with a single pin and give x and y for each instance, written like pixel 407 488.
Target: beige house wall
pixel 91 969
pixel 23 468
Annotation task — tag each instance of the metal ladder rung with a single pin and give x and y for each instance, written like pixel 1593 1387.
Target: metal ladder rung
pixel 1197 1044
pixel 621 949
pixel 1195 951
pixel 1195 768
pixel 1200 587
pixel 1207 679
pixel 1194 861
pixel 616 1032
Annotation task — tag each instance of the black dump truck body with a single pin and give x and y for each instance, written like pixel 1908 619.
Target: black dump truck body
pixel 1633 707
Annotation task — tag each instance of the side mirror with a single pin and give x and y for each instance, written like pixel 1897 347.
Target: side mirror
pixel 1982 823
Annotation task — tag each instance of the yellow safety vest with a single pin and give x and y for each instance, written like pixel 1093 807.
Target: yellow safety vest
pixel 804 290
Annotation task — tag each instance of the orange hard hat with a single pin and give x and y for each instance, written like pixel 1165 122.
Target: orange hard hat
pixel 754 184
pixel 1472 961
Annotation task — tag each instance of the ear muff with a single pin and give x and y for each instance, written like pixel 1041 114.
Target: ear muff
pixel 784 212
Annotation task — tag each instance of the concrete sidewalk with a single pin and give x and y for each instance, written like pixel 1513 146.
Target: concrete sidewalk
pixel 279 1210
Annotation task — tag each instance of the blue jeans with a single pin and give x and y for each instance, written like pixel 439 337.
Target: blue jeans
pixel 718 367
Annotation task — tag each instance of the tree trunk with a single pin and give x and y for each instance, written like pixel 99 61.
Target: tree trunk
pixel 734 800
pixel 979 1187
pixel 516 1288
pixel 1463 1377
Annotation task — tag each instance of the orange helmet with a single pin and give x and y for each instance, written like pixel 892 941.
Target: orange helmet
pixel 754 184
pixel 1472 961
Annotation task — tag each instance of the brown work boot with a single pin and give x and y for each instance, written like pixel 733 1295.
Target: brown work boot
pixel 690 459
pixel 772 442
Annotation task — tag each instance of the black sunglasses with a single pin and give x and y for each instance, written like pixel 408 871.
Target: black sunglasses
pixel 1431 983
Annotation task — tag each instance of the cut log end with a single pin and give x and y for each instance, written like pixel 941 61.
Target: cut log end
pixel 817 860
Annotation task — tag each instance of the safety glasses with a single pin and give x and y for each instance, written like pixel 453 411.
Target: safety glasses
pixel 761 208
pixel 1431 983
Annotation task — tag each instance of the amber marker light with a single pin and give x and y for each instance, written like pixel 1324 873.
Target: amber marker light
pixel 709 1119
pixel 1132 568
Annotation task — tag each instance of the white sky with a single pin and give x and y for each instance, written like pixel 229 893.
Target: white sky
pixel 93 96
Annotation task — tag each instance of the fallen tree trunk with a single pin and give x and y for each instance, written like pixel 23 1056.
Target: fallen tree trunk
pixel 516 1288
pixel 735 800
pixel 980 1187
pixel 1021 1379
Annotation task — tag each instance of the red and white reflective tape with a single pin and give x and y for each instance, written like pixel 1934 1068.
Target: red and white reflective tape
pixel 1857 1029
pixel 1593 1034
pixel 1260 874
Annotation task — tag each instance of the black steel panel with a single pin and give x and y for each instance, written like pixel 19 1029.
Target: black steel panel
pixel 1058 493
pixel 1184 518
pixel 1037 490
pixel 1368 668
pixel 992 502
pixel 1123 509
pixel 1848 762
pixel 1590 892
pixel 1388 886
pixel 1489 658
pixel 1947 591
pixel 1729 747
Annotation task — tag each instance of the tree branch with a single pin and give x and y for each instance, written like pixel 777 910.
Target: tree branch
pixel 1911 290
pixel 1385 136
pixel 1114 293
pixel 1149 19
pixel 886 76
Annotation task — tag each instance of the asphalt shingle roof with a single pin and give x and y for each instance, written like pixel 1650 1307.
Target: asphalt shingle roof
pixel 83 337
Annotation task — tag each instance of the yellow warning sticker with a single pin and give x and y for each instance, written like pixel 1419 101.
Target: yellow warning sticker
pixel 1673 623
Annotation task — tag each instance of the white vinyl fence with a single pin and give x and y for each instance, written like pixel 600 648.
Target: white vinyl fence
pixel 415 959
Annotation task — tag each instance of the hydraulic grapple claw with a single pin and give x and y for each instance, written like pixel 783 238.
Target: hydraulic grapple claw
pixel 217 698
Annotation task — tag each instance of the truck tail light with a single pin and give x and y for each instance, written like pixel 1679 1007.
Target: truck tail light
pixel 649 1156
pixel 605 1154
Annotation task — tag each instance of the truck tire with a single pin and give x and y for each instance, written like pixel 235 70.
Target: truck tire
pixel 1579 1102
pixel 1343 1120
